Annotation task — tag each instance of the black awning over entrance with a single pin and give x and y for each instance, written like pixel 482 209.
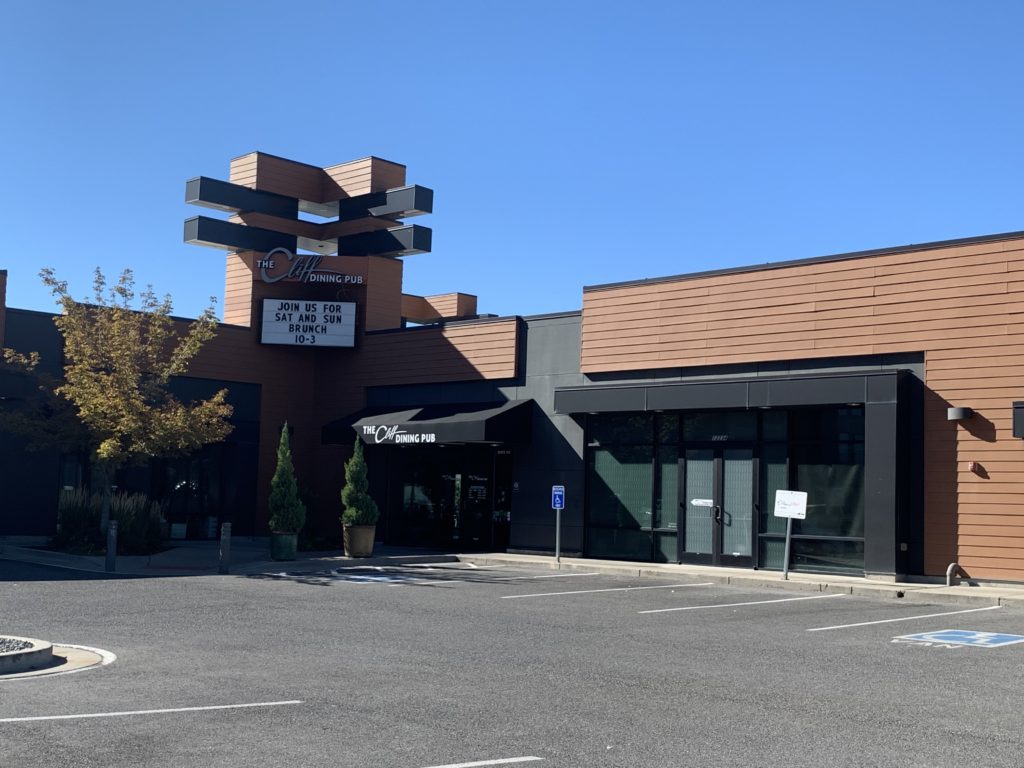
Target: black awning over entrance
pixel 507 422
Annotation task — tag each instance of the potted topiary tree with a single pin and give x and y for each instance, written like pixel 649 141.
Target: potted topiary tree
pixel 359 513
pixel 287 512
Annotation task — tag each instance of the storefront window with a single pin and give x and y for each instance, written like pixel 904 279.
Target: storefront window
pixel 633 486
pixel 774 477
pixel 634 468
pixel 720 426
pixel 827 455
pixel 825 458
pixel 620 480
pixel 621 428
pixel 666 425
pixel 666 497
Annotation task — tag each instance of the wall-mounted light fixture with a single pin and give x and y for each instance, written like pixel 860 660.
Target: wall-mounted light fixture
pixel 958 414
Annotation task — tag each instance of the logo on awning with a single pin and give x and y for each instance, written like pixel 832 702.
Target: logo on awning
pixel 384 433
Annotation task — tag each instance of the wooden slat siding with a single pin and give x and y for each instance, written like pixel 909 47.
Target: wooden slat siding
pixel 962 306
pixel 258 170
pixel 417 309
pixel 287 177
pixel 348 179
pixel 386 175
pixel 359 177
pixel 445 304
pixel 383 293
pixel 243 170
pixel 321 185
pixel 238 279
pixel 453 305
pixel 469 352
pixel 465 304
pixel 843 317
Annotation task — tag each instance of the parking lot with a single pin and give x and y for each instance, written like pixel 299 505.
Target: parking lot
pixel 453 665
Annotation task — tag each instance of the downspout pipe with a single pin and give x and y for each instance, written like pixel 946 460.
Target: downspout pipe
pixel 951 572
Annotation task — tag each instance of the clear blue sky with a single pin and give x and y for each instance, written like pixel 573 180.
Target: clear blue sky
pixel 568 143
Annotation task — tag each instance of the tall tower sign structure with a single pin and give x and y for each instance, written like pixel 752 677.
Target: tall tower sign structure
pixel 312 251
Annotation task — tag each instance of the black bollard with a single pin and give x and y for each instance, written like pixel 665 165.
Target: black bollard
pixel 111 546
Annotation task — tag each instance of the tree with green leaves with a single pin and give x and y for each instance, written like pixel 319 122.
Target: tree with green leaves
pixel 119 360
pixel 357 506
pixel 287 512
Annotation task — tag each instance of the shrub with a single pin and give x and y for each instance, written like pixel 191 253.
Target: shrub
pixel 287 512
pixel 139 523
pixel 357 506
pixel 78 522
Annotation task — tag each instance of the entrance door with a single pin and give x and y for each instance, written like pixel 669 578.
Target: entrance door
pixel 475 512
pixel 717 506
pixel 466 510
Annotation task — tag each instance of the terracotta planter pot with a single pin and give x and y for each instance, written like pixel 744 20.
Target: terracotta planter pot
pixel 283 545
pixel 359 540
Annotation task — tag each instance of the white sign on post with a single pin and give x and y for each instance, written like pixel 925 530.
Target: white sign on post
pixel 791 504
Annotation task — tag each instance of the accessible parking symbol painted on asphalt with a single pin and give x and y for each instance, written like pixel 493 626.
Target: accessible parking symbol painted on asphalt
pixel 963 637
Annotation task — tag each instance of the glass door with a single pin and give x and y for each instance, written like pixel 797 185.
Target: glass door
pixel 717 505
pixel 475 512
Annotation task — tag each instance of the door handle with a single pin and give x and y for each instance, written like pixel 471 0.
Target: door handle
pixel 716 514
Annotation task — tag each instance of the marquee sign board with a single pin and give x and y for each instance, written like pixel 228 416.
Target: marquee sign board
pixel 309 323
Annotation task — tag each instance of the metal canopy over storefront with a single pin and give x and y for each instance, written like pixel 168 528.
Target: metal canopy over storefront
pixel 750 392
pixel 892 410
pixel 507 422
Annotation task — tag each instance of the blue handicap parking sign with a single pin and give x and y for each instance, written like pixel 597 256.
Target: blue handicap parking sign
pixel 965 637
pixel 558 497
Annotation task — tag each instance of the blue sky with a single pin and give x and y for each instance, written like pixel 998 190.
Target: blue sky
pixel 568 143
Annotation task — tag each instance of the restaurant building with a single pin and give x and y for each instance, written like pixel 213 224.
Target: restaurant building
pixel 883 383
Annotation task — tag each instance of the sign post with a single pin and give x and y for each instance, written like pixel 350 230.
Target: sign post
pixel 790 505
pixel 558 504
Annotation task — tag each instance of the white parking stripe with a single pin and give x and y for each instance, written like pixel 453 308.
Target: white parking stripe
pixel 502 761
pixel 733 605
pixel 614 589
pixel 552 576
pixel 903 618
pixel 147 712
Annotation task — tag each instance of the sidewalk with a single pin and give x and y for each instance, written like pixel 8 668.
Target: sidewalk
pixel 962 594
pixel 252 556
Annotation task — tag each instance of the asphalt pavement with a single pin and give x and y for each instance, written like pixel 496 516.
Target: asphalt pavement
pixel 447 664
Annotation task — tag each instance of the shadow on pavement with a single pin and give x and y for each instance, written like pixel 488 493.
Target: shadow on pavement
pixel 13 570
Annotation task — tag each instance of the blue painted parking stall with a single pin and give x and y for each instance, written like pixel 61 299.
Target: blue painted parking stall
pixel 962 638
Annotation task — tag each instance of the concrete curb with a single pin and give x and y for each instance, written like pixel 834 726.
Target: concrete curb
pixel 798 582
pixel 38 654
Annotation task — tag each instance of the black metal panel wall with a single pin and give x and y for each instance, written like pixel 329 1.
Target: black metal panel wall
pixel 892 521
pixel 549 358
